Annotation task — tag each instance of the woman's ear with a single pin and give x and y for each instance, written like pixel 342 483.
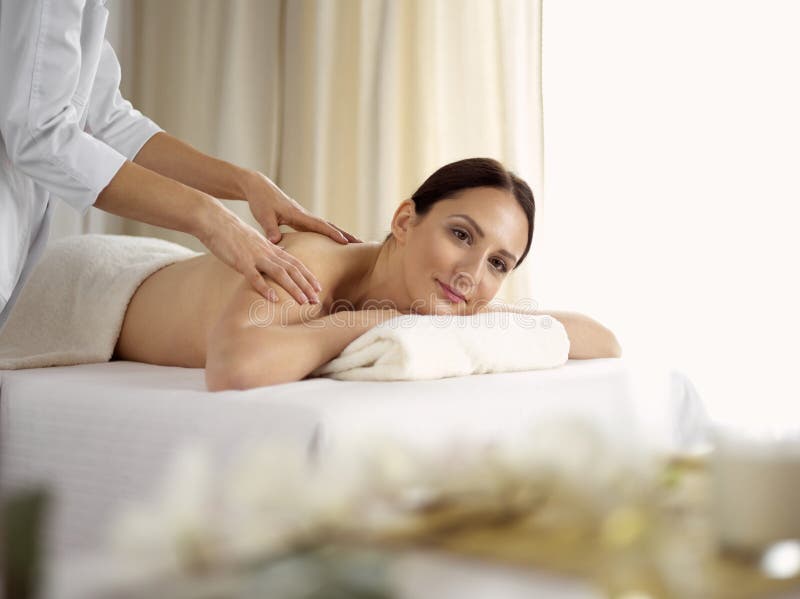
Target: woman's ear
pixel 402 220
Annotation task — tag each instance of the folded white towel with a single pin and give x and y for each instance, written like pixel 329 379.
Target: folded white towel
pixel 415 347
pixel 72 308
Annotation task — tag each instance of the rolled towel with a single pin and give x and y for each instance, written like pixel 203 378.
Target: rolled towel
pixel 417 347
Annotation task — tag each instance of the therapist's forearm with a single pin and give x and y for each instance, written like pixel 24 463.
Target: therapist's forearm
pixel 169 156
pixel 140 194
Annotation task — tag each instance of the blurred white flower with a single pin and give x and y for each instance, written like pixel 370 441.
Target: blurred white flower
pixel 174 531
pixel 272 496
pixel 264 499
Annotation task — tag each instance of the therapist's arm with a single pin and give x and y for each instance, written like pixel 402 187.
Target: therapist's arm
pixel 138 193
pixel 129 189
pixel 42 98
pixel 173 158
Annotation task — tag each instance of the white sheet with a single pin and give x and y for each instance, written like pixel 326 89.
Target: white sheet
pixel 100 434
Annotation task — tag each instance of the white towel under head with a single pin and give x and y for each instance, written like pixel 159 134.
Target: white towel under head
pixel 417 347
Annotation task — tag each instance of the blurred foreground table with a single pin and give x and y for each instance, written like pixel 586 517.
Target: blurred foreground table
pixel 659 547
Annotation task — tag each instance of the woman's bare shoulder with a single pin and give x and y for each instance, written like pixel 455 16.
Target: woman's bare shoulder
pixel 321 254
pixel 307 242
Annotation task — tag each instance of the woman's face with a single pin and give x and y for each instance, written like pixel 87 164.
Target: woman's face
pixel 457 255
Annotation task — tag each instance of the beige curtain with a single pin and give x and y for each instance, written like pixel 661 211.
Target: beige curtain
pixel 348 105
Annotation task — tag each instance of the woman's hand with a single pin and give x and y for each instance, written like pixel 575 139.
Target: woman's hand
pixel 272 208
pixel 244 249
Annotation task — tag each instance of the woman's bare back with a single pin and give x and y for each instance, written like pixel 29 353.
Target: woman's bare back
pixel 169 318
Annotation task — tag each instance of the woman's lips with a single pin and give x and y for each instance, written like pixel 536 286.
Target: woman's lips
pixel 451 293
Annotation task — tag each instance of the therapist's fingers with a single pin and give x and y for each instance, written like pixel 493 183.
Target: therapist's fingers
pixel 271 206
pixel 351 238
pixel 269 223
pixel 300 276
pixel 256 279
pixel 298 288
pixel 307 275
pixel 244 249
pixel 303 221
pixel 288 272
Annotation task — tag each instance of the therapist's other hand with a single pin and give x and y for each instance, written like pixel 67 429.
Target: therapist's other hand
pixel 271 207
pixel 246 250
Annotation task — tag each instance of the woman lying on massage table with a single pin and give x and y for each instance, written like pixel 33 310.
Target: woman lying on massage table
pixel 451 247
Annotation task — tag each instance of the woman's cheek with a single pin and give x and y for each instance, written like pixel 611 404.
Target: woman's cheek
pixel 436 256
pixel 488 290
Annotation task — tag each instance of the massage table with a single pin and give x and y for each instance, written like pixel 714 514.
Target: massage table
pixel 99 435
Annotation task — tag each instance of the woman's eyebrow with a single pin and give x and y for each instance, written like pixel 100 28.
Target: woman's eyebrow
pixel 471 221
pixel 480 232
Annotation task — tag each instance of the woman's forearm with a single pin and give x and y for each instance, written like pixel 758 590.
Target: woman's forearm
pixel 301 348
pixel 261 356
pixel 587 337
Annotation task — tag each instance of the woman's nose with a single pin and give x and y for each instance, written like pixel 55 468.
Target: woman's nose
pixel 466 281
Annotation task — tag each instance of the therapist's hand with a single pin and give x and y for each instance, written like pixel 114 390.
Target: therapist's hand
pixel 246 250
pixel 271 207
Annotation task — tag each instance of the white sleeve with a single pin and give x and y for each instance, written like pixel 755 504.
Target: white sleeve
pixel 111 117
pixel 41 99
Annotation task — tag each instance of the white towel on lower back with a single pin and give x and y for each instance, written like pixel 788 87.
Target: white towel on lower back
pixel 72 308
pixel 415 347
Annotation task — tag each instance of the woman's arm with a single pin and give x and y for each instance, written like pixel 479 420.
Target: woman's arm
pixel 255 343
pixel 248 355
pixel 587 337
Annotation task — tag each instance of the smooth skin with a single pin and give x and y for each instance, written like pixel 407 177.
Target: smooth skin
pixel 172 185
pixel 201 313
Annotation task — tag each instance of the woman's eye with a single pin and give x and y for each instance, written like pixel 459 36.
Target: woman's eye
pixel 499 265
pixel 461 234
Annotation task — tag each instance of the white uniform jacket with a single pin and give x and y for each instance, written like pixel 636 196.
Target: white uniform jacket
pixel 65 129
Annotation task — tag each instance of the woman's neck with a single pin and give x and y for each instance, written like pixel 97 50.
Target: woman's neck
pixel 375 278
